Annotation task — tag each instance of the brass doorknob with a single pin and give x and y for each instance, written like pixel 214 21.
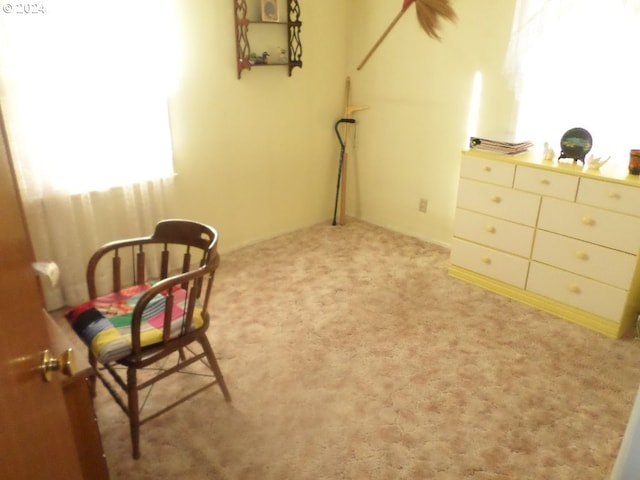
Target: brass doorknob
pixel 65 363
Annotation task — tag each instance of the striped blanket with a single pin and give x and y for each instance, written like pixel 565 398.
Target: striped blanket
pixel 104 324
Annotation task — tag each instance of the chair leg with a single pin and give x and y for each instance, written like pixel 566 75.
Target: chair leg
pixel 134 412
pixel 206 346
pixel 92 378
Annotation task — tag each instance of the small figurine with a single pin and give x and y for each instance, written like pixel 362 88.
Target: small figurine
pixel 254 59
pixel 282 55
pixel 595 163
pixel 548 153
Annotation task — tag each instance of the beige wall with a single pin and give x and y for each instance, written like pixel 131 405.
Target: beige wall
pixel 419 92
pixel 255 156
pixel 258 157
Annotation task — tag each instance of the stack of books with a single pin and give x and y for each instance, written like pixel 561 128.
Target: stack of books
pixel 497 146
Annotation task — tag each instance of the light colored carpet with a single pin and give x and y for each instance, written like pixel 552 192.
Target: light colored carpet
pixel 351 354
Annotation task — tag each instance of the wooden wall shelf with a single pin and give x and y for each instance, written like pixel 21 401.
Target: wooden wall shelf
pixel 247 14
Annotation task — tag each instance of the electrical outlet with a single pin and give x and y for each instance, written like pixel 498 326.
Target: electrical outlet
pixel 422 206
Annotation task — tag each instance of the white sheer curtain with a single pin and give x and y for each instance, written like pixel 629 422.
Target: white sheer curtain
pixel 574 63
pixel 83 90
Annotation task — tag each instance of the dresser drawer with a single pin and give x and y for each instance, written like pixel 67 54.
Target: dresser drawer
pixel 491 263
pixel 502 202
pixel 493 232
pixel 579 292
pixel 595 225
pixel 544 182
pixel 485 170
pixel 599 263
pixel 609 195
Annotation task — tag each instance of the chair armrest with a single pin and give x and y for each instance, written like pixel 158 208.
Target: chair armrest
pixel 166 285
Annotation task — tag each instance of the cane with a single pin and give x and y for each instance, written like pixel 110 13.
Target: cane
pixel 342 120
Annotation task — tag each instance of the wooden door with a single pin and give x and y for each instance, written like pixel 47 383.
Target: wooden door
pixel 36 440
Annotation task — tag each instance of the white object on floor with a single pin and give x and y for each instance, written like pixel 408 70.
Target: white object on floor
pixel 627 466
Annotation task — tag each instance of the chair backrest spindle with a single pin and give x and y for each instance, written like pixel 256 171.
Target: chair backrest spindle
pixel 168 310
pixel 140 266
pixel 117 273
pixel 164 263
pixel 186 263
pixel 191 305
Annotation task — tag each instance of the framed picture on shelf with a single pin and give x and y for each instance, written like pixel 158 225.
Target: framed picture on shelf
pixel 269 9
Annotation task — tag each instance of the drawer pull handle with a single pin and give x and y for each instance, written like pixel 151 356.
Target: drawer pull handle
pixel 580 255
pixel 487 168
pixel 486 259
pixel 496 198
pixel 586 220
pixel 490 229
pixel 614 195
pixel 545 182
pixel 573 288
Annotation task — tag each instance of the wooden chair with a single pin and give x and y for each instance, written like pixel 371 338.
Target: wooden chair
pixel 142 322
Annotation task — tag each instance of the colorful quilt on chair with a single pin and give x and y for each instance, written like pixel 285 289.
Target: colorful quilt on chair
pixel 104 324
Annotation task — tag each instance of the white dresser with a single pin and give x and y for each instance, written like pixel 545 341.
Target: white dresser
pixel 560 237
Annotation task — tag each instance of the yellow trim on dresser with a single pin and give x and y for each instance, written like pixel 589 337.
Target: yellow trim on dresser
pixel 575 315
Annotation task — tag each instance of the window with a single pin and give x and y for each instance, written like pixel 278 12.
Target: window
pixel 84 89
pixel 574 64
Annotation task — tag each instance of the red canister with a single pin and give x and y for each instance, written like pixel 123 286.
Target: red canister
pixel 634 162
